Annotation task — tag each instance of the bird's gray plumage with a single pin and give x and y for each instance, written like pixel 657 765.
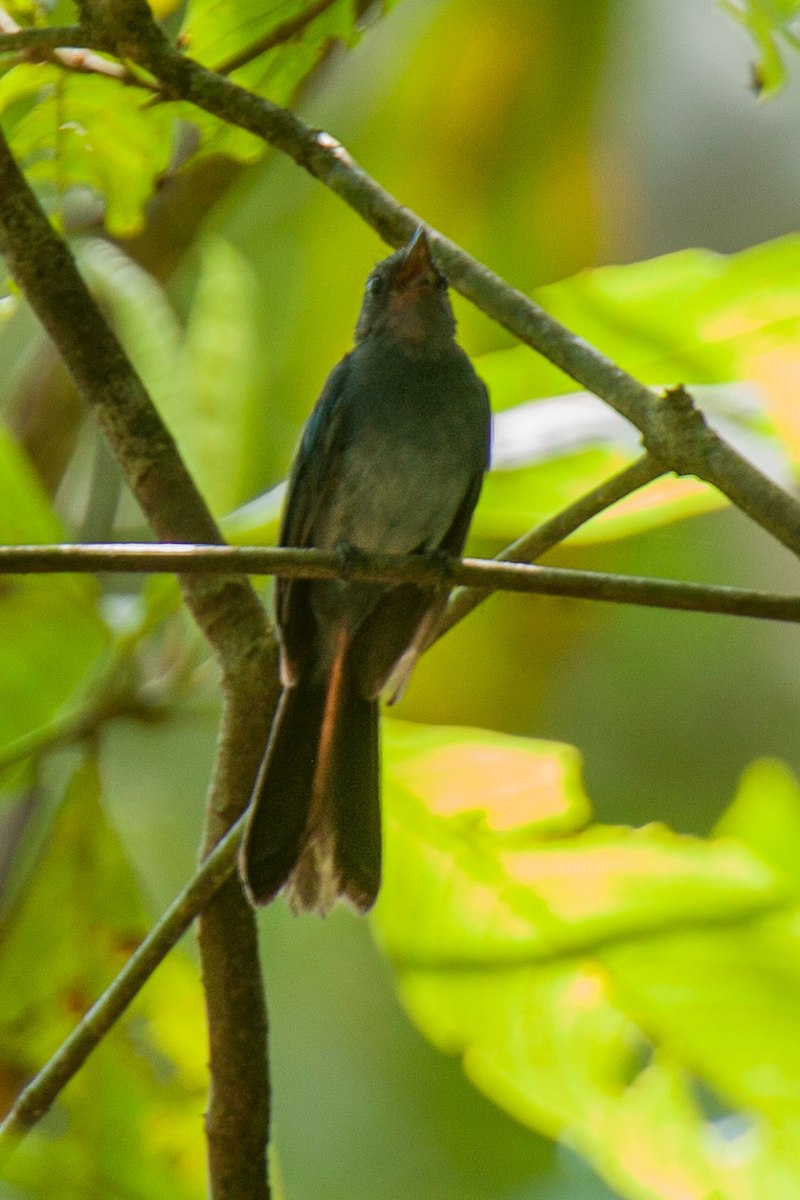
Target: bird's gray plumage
pixel 391 461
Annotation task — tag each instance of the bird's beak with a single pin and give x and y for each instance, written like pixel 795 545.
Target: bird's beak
pixel 418 266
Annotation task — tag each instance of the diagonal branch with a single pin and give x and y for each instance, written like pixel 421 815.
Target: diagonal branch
pixel 36 1099
pixel 288 29
pixel 507 574
pixel 229 614
pixel 41 1092
pixel 533 544
pixel 673 430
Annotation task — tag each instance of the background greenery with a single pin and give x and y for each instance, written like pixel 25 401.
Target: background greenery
pixel 541 1006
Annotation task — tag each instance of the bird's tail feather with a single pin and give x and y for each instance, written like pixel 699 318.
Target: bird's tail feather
pixel 314 826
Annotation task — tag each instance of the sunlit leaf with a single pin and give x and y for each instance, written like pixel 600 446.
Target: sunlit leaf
pixel 213 409
pixel 51 634
pixel 772 24
pixel 765 815
pixel 589 977
pixel 87 130
pixel 129 1123
pixel 475 872
pixel 216 32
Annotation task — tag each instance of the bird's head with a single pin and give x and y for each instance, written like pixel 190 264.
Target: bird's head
pixel 406 299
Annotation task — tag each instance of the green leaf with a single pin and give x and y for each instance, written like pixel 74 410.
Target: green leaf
pixel 87 130
pixel 726 1002
pixel 128 1123
pixel 589 976
pixel 769 22
pixel 203 380
pixel 725 326
pixel 213 410
pixel 474 857
pixel 765 816
pixel 214 31
pixel 73 129
pixel 51 634
pixel 140 313
pixel 552 1048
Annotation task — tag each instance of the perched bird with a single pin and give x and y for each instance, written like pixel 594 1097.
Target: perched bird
pixel 391 461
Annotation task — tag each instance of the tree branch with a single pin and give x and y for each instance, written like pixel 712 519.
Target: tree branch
pixel 673 430
pixel 533 544
pixel 482 576
pixel 276 36
pixel 38 1096
pixel 22 41
pixel 229 614
pixel 68 1059
pixel 674 433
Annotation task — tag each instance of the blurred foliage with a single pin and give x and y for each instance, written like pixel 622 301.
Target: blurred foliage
pixel 86 130
pixel 773 25
pixel 616 998
pixel 131 1125
pixel 601 984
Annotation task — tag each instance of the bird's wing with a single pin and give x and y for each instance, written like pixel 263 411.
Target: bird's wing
pixel 308 494
pixel 310 478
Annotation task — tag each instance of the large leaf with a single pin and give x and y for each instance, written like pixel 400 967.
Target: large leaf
pixel 590 976
pixel 213 409
pixel 75 129
pixel 88 130
pixel 129 1123
pixel 51 634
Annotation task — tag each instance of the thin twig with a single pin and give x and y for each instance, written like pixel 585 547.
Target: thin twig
pixel 484 575
pixel 673 430
pixel 85 62
pixel 276 36
pixel 232 619
pixel 38 1096
pixel 533 544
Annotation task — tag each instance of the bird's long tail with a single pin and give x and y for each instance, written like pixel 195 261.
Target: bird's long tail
pixel 314 824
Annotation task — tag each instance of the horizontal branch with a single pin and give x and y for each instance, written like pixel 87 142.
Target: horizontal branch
pixel 555 529
pixel 487 575
pixel 673 430
pixel 38 1096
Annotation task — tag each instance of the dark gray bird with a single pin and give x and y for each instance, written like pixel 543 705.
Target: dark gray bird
pixel 391 461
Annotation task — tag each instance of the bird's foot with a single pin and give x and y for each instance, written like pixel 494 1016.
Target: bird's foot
pixel 349 557
pixel 443 563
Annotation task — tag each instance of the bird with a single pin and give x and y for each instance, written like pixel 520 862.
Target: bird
pixel 391 461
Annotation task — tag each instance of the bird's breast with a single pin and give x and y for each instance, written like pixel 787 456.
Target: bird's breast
pixel 408 457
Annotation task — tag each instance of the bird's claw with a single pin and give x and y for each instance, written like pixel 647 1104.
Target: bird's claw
pixel 443 563
pixel 349 557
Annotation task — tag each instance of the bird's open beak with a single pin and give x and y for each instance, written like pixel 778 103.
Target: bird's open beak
pixel 418 266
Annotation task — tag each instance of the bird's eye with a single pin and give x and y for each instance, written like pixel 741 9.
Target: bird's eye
pixel 375 285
